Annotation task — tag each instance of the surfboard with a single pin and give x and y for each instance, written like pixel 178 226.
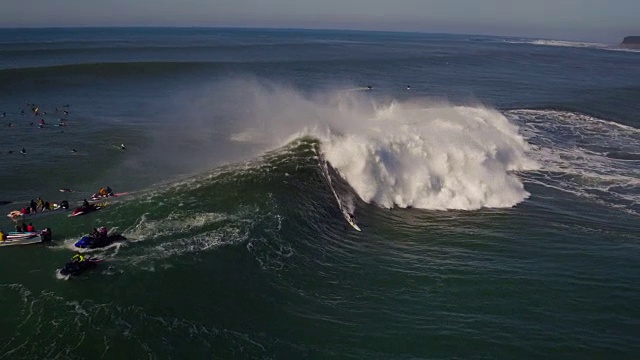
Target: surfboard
pixel 21 241
pixel 351 222
pixel 12 235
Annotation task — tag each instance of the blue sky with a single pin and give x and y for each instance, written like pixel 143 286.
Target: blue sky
pixel 595 20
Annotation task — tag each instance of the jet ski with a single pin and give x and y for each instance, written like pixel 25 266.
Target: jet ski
pixel 98 196
pixel 86 209
pixel 93 242
pixel 78 265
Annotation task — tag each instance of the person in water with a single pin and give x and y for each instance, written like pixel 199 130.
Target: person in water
pixel 109 191
pixel 103 231
pixel 64 204
pixel 31 228
pixel 24 227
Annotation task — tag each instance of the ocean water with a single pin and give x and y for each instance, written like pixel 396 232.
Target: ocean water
pixel 496 182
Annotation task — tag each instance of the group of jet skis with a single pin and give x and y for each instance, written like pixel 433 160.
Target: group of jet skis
pixel 97 238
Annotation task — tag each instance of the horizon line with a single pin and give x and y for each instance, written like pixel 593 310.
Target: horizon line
pixel 279 28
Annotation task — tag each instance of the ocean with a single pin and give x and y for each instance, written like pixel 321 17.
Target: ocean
pixel 496 181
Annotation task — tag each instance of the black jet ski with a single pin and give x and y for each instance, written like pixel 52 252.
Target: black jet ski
pixel 78 265
pixel 92 242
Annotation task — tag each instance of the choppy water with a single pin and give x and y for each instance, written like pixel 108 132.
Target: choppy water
pixel 495 181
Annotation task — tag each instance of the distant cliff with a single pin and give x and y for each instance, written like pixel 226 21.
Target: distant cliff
pixel 631 41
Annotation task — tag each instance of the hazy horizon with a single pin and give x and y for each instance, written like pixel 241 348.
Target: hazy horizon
pixel 595 20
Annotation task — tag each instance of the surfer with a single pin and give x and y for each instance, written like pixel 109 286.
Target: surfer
pixel 65 190
pixel 23 151
pixel 122 147
pixel 74 150
pixel 85 203
pixel 369 87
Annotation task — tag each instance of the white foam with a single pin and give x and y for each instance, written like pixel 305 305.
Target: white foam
pixel 187 236
pixel 433 157
pixel 567 43
pixel 574 44
pixel 580 154
pixel 59 275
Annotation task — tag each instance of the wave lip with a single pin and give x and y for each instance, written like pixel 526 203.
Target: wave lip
pixel 444 157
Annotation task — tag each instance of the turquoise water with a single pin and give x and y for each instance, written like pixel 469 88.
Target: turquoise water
pixel 497 195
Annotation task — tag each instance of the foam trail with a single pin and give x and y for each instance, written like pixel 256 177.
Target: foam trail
pixel 443 157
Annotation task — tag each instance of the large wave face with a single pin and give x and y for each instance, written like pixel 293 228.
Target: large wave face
pixel 407 154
